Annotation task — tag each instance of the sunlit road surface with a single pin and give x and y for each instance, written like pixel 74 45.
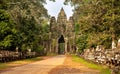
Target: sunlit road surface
pixel 40 67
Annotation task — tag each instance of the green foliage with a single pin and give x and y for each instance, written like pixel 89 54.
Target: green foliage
pixel 28 33
pixel 6 42
pixel 99 19
pixel 30 15
pixel 21 25
pixel 45 32
pixel 81 42
pixel 7 30
pixel 39 49
pixel 77 28
pixel 3 4
pixel 3 66
pixel 46 28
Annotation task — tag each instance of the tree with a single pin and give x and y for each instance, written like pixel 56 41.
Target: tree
pixel 21 24
pixel 29 18
pixel 7 29
pixel 98 19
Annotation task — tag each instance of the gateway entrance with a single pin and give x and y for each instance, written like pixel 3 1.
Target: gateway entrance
pixel 61 45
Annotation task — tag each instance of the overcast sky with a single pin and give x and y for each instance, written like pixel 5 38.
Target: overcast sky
pixel 54 8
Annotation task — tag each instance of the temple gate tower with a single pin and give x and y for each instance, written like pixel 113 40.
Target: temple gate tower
pixel 62 34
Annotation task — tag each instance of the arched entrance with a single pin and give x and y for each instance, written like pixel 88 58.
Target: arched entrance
pixel 61 45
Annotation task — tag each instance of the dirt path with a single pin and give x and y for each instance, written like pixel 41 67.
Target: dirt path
pixel 40 67
pixel 70 67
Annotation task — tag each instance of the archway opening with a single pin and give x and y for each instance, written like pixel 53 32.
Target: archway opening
pixel 61 46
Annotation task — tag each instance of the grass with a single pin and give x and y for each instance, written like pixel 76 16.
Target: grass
pixel 3 66
pixel 18 63
pixel 102 69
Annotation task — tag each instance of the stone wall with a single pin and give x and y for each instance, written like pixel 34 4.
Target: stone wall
pixel 108 57
pixel 6 56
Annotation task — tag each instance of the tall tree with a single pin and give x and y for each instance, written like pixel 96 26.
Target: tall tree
pixel 21 24
pixel 29 17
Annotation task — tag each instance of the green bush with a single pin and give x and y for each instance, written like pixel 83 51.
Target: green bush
pixel 81 42
pixel 7 30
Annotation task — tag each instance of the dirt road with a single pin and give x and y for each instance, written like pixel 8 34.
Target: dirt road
pixel 71 67
pixel 40 67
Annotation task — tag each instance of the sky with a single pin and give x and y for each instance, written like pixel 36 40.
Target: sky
pixel 55 7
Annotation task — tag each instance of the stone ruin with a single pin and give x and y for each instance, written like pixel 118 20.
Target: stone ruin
pixel 6 56
pixel 108 57
pixel 62 33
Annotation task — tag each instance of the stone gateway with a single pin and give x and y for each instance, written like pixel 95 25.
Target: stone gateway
pixel 62 34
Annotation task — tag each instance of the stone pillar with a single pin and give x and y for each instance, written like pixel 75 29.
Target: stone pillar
pixel 16 49
pixel 70 48
pixel 118 43
pixel 66 45
pixel 113 45
pixel 50 47
pixel 57 46
pixel 50 42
